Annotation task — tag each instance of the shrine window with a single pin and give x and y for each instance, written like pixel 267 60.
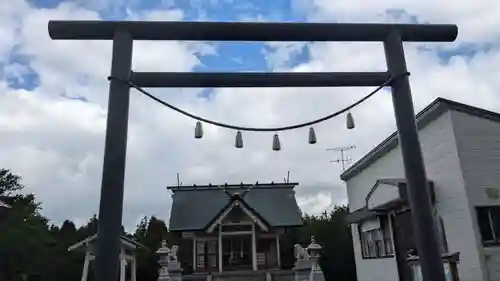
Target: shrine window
pixel 267 252
pixel 206 255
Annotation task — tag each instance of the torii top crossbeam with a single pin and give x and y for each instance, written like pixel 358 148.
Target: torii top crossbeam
pixel 250 31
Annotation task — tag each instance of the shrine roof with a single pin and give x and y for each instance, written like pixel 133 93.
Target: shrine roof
pixel 194 207
pixel 127 242
pixel 3 204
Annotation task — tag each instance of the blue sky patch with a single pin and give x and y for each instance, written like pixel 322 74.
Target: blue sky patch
pixel 48 4
pixel 18 73
pixel 235 56
pixel 237 10
pixel 231 56
pixel 464 50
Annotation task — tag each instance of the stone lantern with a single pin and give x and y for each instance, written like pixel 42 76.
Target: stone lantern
pixel 314 250
pixel 170 268
pixel 163 252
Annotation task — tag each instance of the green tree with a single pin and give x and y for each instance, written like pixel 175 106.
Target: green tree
pixel 9 183
pixel 150 232
pixel 25 239
pixel 31 247
pixel 333 233
pixel 65 265
pixel 142 229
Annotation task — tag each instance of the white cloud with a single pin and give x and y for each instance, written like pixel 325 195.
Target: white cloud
pixel 10 15
pixel 56 144
pixel 475 19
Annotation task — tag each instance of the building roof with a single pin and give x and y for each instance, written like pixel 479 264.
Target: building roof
pixel 424 117
pixel 237 201
pixel 3 204
pixel 362 214
pixel 129 243
pixel 367 212
pixel 195 207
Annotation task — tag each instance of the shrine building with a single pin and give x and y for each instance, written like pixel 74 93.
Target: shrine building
pixel 232 228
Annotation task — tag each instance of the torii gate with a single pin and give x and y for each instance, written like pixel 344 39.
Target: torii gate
pixel 123 33
pixel 126 257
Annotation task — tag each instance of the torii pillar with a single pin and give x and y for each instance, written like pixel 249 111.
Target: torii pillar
pixel 127 256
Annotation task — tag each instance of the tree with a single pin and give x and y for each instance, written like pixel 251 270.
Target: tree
pixel 31 247
pixel 9 183
pixel 150 233
pixel 25 238
pixel 142 229
pixel 67 231
pixel 333 233
pixel 88 229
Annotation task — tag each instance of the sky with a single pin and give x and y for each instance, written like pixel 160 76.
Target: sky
pixel 53 97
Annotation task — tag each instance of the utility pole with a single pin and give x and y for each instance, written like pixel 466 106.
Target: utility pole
pixel 342 160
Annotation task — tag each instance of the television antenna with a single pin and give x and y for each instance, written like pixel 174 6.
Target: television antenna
pixel 343 159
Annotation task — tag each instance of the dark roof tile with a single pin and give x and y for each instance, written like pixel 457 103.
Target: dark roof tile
pixel 194 207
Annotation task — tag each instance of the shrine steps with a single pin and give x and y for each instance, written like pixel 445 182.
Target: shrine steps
pixel 244 275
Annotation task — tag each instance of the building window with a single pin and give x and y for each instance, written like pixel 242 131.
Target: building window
pixel 441 234
pixel 377 243
pixel 200 254
pixel 489 224
pixel 267 254
pixel 370 239
pixel 206 254
pixel 212 253
pixel 387 236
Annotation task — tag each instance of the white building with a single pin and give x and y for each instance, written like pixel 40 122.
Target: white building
pixel 461 149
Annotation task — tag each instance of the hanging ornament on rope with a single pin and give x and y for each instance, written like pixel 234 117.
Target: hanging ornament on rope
pixel 198 130
pixel 312 136
pixel 350 121
pixel 198 133
pixel 276 143
pixel 238 143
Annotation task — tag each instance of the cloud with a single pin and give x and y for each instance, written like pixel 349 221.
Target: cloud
pixel 475 18
pixel 56 143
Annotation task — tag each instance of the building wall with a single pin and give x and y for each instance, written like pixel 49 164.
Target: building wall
pixel 492 257
pixel 384 269
pixel 382 194
pixel 443 168
pixel 478 142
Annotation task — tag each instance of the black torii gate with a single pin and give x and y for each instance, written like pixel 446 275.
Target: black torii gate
pixel 124 32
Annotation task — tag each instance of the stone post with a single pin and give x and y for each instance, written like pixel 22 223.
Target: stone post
pixel 303 263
